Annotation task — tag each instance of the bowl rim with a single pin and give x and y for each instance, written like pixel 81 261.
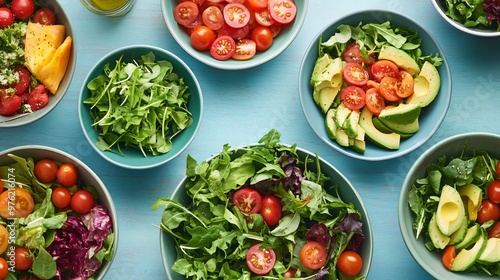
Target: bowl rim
pixel 408 237
pixel 391 154
pixel 368 242
pixel 460 26
pixel 171 25
pixel 103 60
pixel 105 266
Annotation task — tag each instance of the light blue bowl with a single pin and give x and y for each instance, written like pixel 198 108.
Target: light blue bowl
pixel 431 116
pixel 347 192
pixel 451 147
pixel 133 158
pixel 281 42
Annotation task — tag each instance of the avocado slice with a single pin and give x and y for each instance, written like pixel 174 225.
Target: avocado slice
pixel 331 127
pixel 351 124
pixel 341 115
pixel 459 235
pixel 387 140
pixel 319 65
pixel 325 97
pixel 331 76
pixel 400 58
pixel 451 211
pixel 402 114
pixel 467 257
pixel 426 86
pixel 491 253
pixel 471 196
pixel 410 128
pixel 471 236
pixel 439 240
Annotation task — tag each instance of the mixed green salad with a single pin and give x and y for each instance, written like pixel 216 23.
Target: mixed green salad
pixel 51 225
pixel 261 212
pixel 141 104
pixel 457 211
pixel 483 14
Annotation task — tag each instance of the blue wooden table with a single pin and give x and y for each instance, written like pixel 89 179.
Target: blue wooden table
pixel 241 106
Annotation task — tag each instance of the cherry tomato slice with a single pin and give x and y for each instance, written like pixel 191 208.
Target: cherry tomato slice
pixel 389 88
pixel 22 200
pixel 313 255
pixel 263 17
pixel 257 5
pixel 38 97
pixel 263 37
pixel 185 13
pixel 223 48
pixel 236 15
pixel 383 68
pixel 350 263
pixel 405 84
pixel 374 101
pixel 271 210
pixel 260 261
pixel 355 74
pixel 24 80
pixel 245 49
pixel 353 54
pixel 4 239
pixel 448 257
pixel 282 11
pixel 353 97
pixel 44 16
pixel 493 191
pixel 488 211
pixel 247 200
pixel 494 231
pixel 212 17
pixel 9 104
pixel 202 37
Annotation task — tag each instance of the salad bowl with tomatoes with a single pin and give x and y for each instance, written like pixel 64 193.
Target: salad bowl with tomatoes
pixel 234 35
pixel 31 99
pixel 266 210
pixel 365 85
pixel 467 164
pixel 60 218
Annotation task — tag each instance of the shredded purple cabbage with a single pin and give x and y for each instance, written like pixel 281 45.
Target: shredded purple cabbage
pixel 492 9
pixel 77 241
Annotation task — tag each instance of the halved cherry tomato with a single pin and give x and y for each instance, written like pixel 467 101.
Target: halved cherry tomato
pixel 236 15
pixel 61 197
pixel 383 68
pixel 372 84
pixel 23 259
pixel 46 170
pixel 67 174
pixel 212 17
pixel 235 33
pixel 262 36
pixel 271 210
pixel 19 198
pixel 6 17
pixel 494 231
pixel 4 239
pixel 202 37
pixel 355 74
pixel 493 191
pixel 374 101
pixel 350 263
pixel 353 54
pixel 185 13
pixel 313 255
pixel 282 11
pixel 247 200
pixel 448 257
pixel 245 49
pixel 82 201
pixel 38 97
pixel 44 16
pixel 263 17
pixel 9 104
pixel 389 88
pixel 257 5
pixel 24 80
pixel 223 48
pixel 260 261
pixel 353 97
pixel 405 84
pixel 488 211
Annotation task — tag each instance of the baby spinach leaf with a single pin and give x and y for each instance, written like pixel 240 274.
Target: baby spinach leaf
pixel 44 265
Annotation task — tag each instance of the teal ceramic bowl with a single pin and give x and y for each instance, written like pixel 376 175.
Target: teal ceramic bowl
pixel 133 158
pixel 453 146
pixel 86 175
pixel 347 192
pixel 431 117
pixel 54 99
pixel 280 43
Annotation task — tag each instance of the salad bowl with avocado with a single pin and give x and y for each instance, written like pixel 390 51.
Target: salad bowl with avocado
pixel 374 85
pixel 449 208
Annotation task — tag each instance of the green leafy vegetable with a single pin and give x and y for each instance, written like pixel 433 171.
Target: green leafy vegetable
pixel 470 13
pixel 140 104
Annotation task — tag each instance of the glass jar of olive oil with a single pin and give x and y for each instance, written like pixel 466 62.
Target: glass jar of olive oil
pixel 110 8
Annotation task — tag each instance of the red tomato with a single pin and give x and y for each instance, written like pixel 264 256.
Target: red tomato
pixel 257 5
pixel 247 200
pixel 290 273
pixel 271 210
pixel 24 80
pixel 350 263
pixel 185 13
pixel 382 68
pixel 374 101
pixel 235 33
pixel 405 84
pixel 275 30
pixel 236 15
pixel 260 261
pixel 353 54
pixel 4 268
pixel 498 168
pixel 448 257
pixel 262 36
pixel 22 200
pixel 494 191
pixel 23 259
pixel 4 239
pixel 353 97
pixel 67 175
pixel 282 11
pixel 494 231
pixel 263 17
pixel 202 37
pixel 212 17
pixel 223 48
pixel 389 88
pixel 44 16
pixel 22 9
pixel 61 197
pixel 373 84
pixel 313 255
pixel 488 211
pixel 6 17
pixel 82 201
pixel 38 97
pixel 46 170
pixel 355 74
pixel 9 104
pixel 245 49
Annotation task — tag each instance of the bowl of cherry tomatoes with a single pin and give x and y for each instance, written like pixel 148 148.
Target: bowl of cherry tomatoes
pixel 234 35
pixel 454 238
pixel 50 185
pixel 33 83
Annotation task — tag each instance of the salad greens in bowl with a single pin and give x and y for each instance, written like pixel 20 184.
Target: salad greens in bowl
pixel 449 208
pixel 140 106
pixel 374 85
pixel 57 219
pixel 479 18
pixel 266 211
